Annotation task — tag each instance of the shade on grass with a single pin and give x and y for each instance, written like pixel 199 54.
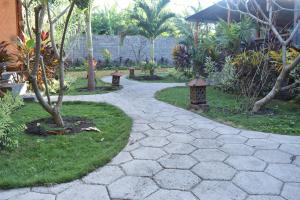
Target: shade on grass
pixel 285 120
pixel 56 159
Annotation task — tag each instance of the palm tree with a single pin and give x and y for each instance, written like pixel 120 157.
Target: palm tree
pixel 151 20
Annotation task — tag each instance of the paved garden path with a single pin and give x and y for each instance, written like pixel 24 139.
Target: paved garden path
pixel 174 154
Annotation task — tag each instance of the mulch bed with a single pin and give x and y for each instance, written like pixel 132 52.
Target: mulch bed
pixel 46 126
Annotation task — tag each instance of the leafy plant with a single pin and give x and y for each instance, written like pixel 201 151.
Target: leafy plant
pixel 107 57
pixel 8 129
pixel 254 76
pixel 276 57
pixel 182 59
pixel 230 36
pixel 26 55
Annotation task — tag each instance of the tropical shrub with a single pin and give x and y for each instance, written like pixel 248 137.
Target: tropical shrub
pixel 254 75
pixel 26 55
pixel 182 59
pixel 54 84
pixel 8 129
pixel 107 58
pixel 231 36
pixel 224 79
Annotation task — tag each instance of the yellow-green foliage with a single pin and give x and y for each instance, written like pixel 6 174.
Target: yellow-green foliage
pixel 276 57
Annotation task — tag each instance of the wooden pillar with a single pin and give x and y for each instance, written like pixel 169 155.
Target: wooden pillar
pixel 296 39
pixel 196 35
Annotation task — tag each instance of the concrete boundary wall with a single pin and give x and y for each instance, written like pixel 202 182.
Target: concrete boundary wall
pixel 133 48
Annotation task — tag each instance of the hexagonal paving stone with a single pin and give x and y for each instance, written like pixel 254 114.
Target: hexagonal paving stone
pixel 54 189
pixel 291 191
pixel 105 175
pixel 157 133
pixel 164 119
pixel 177 161
pixel 6 194
pixel 171 195
pixel 141 167
pixel 140 127
pixel 285 139
pixel 209 155
pixel 293 149
pixel 132 146
pixel 160 125
pixel 148 153
pixel 204 125
pixel 262 144
pixel 34 196
pixel 204 134
pixel 130 187
pixel 136 136
pixel 264 197
pixel 232 139
pixel 297 161
pixel 247 163
pixel 226 130
pixel 258 183
pixel 179 148
pixel 214 171
pixel 254 134
pixel 84 192
pixel 167 113
pixel 284 172
pixel 206 143
pixel 154 142
pixel 181 122
pixel 180 129
pixel 176 179
pixel 217 190
pixel 181 138
pixel 273 156
pixel 122 157
pixel 184 117
pixel 237 149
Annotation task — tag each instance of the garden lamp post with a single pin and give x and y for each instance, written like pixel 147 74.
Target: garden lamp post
pixel 116 78
pixel 198 94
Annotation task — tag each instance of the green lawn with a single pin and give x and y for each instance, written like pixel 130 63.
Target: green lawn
pixel 166 75
pixel 80 85
pixel 285 120
pixel 54 159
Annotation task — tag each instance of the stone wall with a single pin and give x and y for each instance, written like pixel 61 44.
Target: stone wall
pixel 134 47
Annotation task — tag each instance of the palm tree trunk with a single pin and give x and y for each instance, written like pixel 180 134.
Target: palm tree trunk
pixel 152 53
pixel 89 44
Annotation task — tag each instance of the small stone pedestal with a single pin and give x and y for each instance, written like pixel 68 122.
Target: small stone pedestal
pixel 131 72
pixel 116 79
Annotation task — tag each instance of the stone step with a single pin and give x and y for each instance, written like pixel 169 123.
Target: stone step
pixel 15 88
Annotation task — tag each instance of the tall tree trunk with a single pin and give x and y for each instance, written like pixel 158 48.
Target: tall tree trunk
pixel 152 53
pixel 89 44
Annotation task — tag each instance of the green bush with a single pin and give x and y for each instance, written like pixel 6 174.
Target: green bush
pixel 8 129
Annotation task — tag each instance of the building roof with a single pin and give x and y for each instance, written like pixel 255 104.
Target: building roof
pixel 219 11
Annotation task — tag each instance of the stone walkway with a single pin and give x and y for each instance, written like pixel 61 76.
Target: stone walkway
pixel 174 154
